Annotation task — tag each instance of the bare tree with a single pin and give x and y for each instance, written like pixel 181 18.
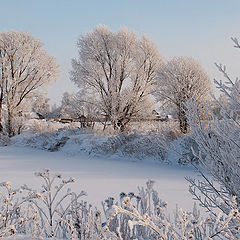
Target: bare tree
pixel 179 80
pixel 24 68
pixel 119 68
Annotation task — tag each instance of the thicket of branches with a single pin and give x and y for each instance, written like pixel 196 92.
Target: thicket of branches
pixel 218 141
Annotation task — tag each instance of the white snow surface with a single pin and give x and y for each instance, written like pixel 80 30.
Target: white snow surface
pixel 99 176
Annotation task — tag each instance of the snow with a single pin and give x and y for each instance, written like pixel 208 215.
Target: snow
pixel 100 177
pixel 18 237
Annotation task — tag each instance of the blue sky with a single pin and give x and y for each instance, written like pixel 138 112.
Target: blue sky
pixel 201 29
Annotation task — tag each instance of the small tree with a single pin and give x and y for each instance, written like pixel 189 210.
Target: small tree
pixel 41 105
pixel 179 80
pixel 119 68
pixel 24 68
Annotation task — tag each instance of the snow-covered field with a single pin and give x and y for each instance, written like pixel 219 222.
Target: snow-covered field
pixel 100 177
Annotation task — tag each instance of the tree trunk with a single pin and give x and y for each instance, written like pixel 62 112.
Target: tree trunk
pixel 104 125
pixel 9 124
pixel 1 103
pixel 115 126
pixel 183 121
pixel 122 128
pixel 122 124
pixel 1 126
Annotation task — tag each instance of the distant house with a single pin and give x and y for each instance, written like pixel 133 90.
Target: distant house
pixel 161 118
pixel 66 120
pixel 83 120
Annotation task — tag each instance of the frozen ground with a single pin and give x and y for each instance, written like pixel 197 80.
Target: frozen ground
pixel 98 176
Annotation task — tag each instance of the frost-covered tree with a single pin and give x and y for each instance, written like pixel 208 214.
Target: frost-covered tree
pixel 24 67
pixel 66 106
pixel 219 148
pixel 120 68
pixel 179 80
pixel 41 105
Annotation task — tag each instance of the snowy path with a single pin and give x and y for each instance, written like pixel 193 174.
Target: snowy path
pixel 99 177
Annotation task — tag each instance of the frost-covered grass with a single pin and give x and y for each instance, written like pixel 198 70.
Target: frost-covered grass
pixel 53 211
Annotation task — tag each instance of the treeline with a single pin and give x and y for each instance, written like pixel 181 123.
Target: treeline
pixel 119 75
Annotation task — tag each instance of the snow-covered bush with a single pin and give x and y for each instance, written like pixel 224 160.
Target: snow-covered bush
pixel 189 150
pixel 4 139
pixel 76 141
pixel 133 145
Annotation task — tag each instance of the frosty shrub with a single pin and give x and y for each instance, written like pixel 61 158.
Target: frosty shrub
pixel 145 216
pixel 54 204
pixel 4 140
pixel 53 211
pixel 50 141
pixel 219 152
pixel 75 141
pixel 14 208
